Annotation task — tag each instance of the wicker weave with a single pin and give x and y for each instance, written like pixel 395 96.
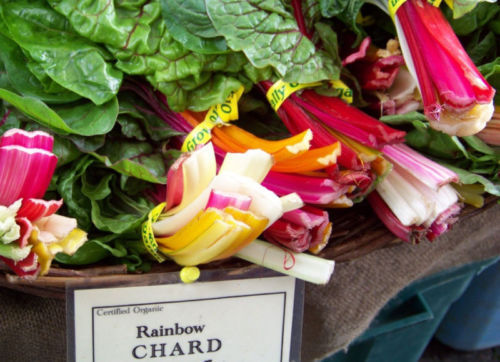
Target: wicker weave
pixel 357 232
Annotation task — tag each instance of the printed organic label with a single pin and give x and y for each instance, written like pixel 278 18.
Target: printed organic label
pixel 345 92
pixel 148 237
pixel 217 115
pixel 281 90
pixel 203 321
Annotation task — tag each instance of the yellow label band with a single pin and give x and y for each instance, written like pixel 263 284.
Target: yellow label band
pixel 435 3
pixel 345 92
pixel 216 115
pixel 281 90
pixel 394 6
pixel 148 237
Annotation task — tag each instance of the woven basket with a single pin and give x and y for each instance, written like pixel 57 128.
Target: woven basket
pixel 357 232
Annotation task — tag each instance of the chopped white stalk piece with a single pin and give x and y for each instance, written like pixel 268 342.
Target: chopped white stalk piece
pixel 264 202
pixel 198 171
pixel 304 145
pixel 423 192
pixel 171 224
pixel 254 164
pixel 464 123
pixel 302 266
pixel 391 190
pixel 343 201
pixel 444 198
pixel 291 202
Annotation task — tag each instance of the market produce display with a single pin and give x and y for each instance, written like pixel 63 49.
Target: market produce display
pixel 191 131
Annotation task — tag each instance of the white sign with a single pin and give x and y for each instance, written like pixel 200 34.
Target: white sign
pixel 232 320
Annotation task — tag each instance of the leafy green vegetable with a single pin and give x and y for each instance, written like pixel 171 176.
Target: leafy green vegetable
pixel 182 94
pixel 401 119
pixel 484 47
pixel 112 210
pixel 330 42
pixel 89 253
pixel 462 7
pixel 133 159
pixel 69 187
pixel 69 59
pixel 23 80
pixel 82 119
pixel 65 150
pixel 189 24
pixel 345 10
pixel 476 19
pixel 472 159
pixel 94 196
pixel 139 38
pixel 9 119
pixel 470 178
pixel 269 36
pixel 491 72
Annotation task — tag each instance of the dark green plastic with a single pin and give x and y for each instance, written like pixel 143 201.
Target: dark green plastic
pixel 406 324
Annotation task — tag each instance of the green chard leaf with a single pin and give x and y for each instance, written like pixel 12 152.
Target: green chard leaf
pixel 9 119
pixel 69 187
pixel 269 36
pixel 89 253
pixel 462 7
pixel 470 178
pixel 65 150
pixel 189 24
pixel 476 19
pixel 23 80
pixel 69 59
pixel 491 72
pixel 485 46
pixel 182 95
pixel 93 194
pixel 346 11
pixel 84 119
pixel 112 210
pixel 136 159
pixel 330 42
pixel 130 27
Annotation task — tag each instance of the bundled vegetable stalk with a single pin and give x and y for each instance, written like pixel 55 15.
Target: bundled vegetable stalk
pixel 308 228
pixel 476 164
pixel 359 135
pixel 209 216
pixel 415 200
pixel 456 97
pixel 31 233
pixel 290 156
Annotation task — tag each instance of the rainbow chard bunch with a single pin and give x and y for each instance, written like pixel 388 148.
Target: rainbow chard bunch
pixel 31 234
pixel 415 200
pixel 212 215
pixel 331 120
pixel 457 99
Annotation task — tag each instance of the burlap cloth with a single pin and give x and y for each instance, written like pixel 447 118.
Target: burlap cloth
pixel 34 328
